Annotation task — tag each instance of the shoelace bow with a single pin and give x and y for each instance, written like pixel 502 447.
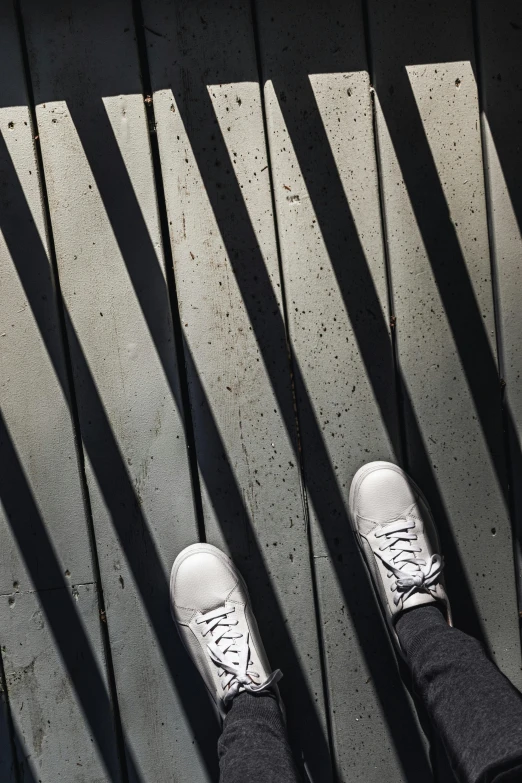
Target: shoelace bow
pixel 413 574
pixel 230 651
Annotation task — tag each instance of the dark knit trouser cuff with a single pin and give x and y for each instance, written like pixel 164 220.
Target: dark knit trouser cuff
pixel 262 706
pixel 414 624
pixel 254 745
pixel 475 709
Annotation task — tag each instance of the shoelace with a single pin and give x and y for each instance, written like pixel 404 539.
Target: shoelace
pixel 230 651
pixel 412 573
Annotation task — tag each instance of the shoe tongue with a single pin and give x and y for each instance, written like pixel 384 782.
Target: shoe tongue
pixel 408 568
pixel 367 525
pixel 409 512
pixel 419 599
pixel 210 600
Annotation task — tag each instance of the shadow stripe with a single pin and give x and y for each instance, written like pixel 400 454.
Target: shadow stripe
pixel 241 242
pixel 368 324
pixel 150 287
pixel 28 529
pixel 30 260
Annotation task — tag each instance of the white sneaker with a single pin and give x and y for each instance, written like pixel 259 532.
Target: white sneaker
pixel 211 609
pixel 395 530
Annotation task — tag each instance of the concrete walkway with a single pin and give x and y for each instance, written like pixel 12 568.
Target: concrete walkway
pixel 246 247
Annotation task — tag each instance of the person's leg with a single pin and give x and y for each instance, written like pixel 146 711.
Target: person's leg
pixel 254 745
pixel 211 609
pixel 476 710
pixel 474 707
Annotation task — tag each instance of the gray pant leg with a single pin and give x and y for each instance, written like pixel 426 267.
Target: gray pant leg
pixel 253 747
pixel 476 710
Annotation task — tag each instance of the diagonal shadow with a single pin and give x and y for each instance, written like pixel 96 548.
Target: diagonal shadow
pixel 19 762
pixel 28 530
pixel 501 64
pixel 305 731
pixel 25 772
pixel 238 233
pixel 446 259
pixel 149 284
pixel 30 260
pixel 140 258
pixel 499 51
pixel 10 740
pixel 361 300
pixel 223 192
pixel 107 177
pixel 275 333
pixel 317 166
pixel 35 546
pixel 447 262
pixel 448 265
pixel 139 548
pixel 150 302
pixel 102 450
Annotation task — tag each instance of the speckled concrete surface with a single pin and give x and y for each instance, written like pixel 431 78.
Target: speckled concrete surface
pixel 245 248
